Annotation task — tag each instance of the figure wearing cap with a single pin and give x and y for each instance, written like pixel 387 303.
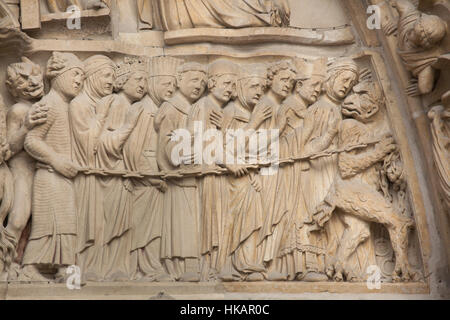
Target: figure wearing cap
pixel 419 36
pixel 180 243
pixel 294 247
pixel 24 81
pixel 208 113
pixel 88 112
pixel 54 220
pixel 242 259
pixel 319 134
pixel 129 87
pixel 139 154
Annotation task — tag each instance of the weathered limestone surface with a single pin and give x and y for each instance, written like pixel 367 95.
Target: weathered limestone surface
pixel 224 149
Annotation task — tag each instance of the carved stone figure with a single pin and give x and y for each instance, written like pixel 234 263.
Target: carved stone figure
pixel 180 243
pixel 54 219
pixel 245 197
pixel 419 36
pixel 208 113
pixel 63 5
pixel 319 135
pixel 25 83
pixel 7 244
pixel 355 190
pixel 302 259
pixel 175 15
pixel 440 128
pixel 88 112
pixel 140 156
pixel 115 192
pixel 281 77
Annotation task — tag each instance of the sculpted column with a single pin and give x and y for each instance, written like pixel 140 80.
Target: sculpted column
pixel 54 219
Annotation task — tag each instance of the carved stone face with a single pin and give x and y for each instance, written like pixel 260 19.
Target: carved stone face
pixel 224 88
pixel 30 84
pixel 427 32
pixel 165 86
pixel 253 90
pixel 192 85
pixel 343 83
pixel 283 82
pixel 310 89
pixel 360 106
pixel 106 79
pixel 70 82
pixel 136 85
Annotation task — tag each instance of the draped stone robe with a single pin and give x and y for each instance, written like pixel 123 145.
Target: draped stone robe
pixel 116 191
pixel 245 208
pixel 323 171
pixel 147 201
pixel 180 234
pixel 275 190
pixel 298 245
pixel 184 14
pixel 86 126
pixel 54 219
pixel 213 189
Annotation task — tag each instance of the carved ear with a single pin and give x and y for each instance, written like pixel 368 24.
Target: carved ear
pixel 211 83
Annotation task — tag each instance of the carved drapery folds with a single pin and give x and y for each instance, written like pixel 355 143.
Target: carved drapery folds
pixel 200 160
pixel 122 144
pixel 174 15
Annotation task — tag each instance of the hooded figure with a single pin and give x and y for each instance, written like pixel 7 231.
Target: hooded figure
pixel 88 114
pixel 139 154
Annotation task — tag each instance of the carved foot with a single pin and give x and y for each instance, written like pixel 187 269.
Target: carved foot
pixel 228 277
pixel 190 277
pixel 31 273
pixel 96 4
pixel 404 273
pixel 14 272
pixel 254 277
pixel 160 277
pixel 314 277
pixel 90 276
pixel 276 276
pixel 118 276
pixel 8 245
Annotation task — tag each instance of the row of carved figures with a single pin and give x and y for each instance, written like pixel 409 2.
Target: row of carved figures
pixel 72 160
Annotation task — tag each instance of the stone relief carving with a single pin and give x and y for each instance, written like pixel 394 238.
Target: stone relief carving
pixel 103 166
pixel 440 129
pixel 62 5
pixel 174 15
pixel 419 36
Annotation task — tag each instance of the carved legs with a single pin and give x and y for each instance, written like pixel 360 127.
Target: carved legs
pixel 360 204
pixel 356 232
